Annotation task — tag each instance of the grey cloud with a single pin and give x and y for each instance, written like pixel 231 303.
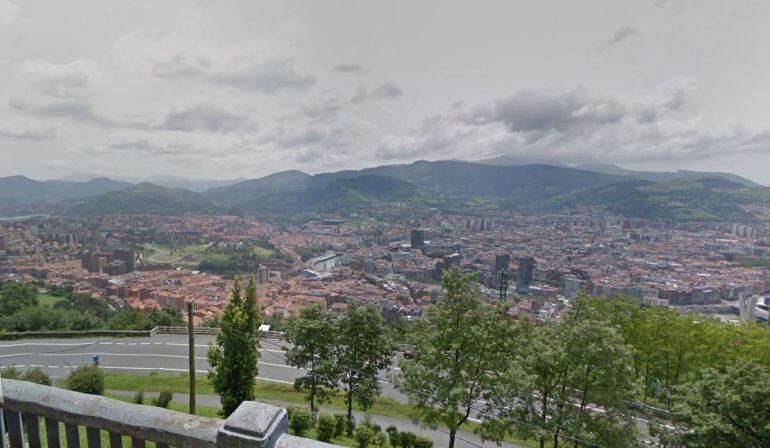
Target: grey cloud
pixel 349 68
pixel 387 90
pixel 66 81
pixel 26 133
pixel 308 156
pixel 677 101
pixel 9 11
pixel 202 117
pixel 543 111
pixel 76 110
pixel 269 76
pixel 622 33
pixel 149 148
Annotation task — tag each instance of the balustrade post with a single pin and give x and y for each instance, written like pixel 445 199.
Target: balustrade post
pixel 52 433
pixel 33 430
pixel 15 437
pixel 253 425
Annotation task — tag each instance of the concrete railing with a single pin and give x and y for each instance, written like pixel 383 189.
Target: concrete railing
pixel 26 407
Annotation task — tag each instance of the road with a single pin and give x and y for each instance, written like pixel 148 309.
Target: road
pixel 163 353
pixel 168 353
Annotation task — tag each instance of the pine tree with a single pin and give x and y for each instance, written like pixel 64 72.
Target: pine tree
pixel 234 357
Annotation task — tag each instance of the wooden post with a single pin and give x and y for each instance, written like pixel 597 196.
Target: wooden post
pixel 191 342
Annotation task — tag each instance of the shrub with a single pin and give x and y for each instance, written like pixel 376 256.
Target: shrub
pixel 407 439
pixel 139 397
pixel 423 442
pixel 301 421
pixel 340 424
pixel 327 427
pixel 364 436
pixel 379 439
pixel 36 375
pixel 164 399
pixel 393 436
pixel 10 373
pixel 86 379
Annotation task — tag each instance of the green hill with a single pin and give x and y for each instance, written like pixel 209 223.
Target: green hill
pixel 145 198
pixel 689 199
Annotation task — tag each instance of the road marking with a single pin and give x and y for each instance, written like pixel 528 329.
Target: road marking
pixel 15 355
pixel 81 344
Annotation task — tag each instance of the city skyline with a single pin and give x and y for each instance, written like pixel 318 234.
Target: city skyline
pixel 192 89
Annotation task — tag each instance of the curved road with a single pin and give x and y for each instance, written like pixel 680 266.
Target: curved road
pixel 163 353
pixel 168 353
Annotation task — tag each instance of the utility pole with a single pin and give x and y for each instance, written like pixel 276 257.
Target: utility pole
pixel 191 343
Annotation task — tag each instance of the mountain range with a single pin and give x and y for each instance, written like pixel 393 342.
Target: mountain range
pixel 453 184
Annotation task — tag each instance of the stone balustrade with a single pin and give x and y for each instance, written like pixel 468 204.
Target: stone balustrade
pixel 32 415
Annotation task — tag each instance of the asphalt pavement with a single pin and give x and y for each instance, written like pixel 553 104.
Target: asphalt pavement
pixel 169 353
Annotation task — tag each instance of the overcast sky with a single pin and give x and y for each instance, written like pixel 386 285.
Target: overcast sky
pixel 223 89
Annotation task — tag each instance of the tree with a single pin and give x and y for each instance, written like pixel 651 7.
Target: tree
pixel 251 307
pixel 457 357
pixel 363 349
pixel 725 407
pixel 234 357
pixel 572 368
pixel 313 336
pixel 15 296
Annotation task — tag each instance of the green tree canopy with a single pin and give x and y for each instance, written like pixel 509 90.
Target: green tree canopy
pixel 313 336
pixel 363 349
pixel 234 357
pixel 458 355
pixel 729 406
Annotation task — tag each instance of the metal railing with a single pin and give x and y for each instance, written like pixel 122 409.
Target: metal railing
pixel 26 407
pixel 209 330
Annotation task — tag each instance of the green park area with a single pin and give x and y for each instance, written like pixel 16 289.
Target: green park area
pixel 48 299
pixel 178 255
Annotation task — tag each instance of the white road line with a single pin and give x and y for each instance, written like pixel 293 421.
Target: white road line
pixel 44 344
pixel 16 355
pixel 80 344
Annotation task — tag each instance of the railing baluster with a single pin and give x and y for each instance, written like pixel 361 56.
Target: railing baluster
pixel 33 430
pixel 137 443
pixel 15 437
pixel 2 429
pixel 116 440
pixel 94 436
pixel 73 435
pixel 161 445
pixel 52 433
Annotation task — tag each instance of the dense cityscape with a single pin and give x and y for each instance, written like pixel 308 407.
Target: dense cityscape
pixel 384 224
pixel 392 257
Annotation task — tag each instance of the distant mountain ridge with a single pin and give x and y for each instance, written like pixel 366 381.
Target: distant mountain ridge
pixel 14 189
pixel 664 176
pixel 415 183
pixel 499 183
pixel 145 198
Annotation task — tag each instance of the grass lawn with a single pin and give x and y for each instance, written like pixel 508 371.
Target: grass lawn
pixel 263 253
pixel 265 390
pixel 47 299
